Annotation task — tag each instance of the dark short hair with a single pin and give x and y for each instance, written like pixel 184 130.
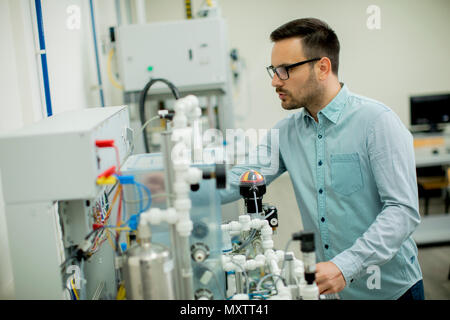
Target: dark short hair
pixel 318 39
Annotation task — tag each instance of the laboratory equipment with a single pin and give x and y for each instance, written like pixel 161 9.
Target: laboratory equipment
pixel 160 214
pixel 50 173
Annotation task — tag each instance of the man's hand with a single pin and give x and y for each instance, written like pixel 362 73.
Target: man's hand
pixel 329 278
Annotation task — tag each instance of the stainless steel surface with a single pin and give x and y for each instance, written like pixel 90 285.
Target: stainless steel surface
pixel 239 282
pixel 148 273
pixel 156 272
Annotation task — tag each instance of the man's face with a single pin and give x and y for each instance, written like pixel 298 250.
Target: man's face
pixel 302 88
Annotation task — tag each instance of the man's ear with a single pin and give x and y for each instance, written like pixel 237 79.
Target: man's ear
pixel 324 68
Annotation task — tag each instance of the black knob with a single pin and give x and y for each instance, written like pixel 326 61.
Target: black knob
pixel 221 176
pixel 195 187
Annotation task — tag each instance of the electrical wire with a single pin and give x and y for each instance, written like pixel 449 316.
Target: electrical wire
pixel 141 201
pixel 256 203
pixel 108 213
pixel 96 243
pixel 149 196
pixel 247 241
pixel 143 98
pixel 117 158
pixel 112 189
pixel 147 123
pixel 74 289
pixel 109 70
pixel 159 195
pixel 108 236
pixel 270 275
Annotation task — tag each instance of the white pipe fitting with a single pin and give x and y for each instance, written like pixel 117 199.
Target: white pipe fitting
pixel 239 259
pixel 233 226
pixel 240 296
pixel 258 223
pixel 156 216
pixel 245 222
pixel 194 175
pixel 309 292
pixel 184 228
pixel 182 204
pixel 267 244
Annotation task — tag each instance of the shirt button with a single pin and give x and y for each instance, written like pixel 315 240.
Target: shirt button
pixel 320 191
pixel 351 280
pixel 319 136
pixel 323 219
pixel 326 246
pixel 320 162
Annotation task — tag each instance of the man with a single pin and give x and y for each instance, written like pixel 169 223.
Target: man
pixel 351 162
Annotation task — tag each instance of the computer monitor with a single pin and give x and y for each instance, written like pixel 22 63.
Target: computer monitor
pixel 430 112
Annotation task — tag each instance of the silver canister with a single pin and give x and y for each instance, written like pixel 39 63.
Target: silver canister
pixel 156 272
pixel 148 272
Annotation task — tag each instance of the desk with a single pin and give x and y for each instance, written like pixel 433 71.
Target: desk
pixel 430 160
pixel 432 150
pixel 433 230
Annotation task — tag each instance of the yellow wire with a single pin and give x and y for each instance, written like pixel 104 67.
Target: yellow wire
pixel 121 229
pixel 121 293
pixel 110 240
pixel 109 69
pixel 119 189
pixel 74 289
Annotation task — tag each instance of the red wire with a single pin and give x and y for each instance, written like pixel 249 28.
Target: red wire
pixel 117 159
pixel 119 212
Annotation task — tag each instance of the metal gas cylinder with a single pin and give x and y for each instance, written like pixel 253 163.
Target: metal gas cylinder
pixel 148 271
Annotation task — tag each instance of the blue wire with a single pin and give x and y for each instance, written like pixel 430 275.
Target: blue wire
pixel 97 60
pixel 141 200
pixel 149 195
pixel 257 294
pixel 45 76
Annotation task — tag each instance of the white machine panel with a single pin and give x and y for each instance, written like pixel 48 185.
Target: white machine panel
pixel 189 53
pixel 56 158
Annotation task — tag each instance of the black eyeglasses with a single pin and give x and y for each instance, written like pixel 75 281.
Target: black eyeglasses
pixel 283 71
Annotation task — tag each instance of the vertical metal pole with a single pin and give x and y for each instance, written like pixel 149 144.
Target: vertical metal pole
pixel 239 282
pixel 168 172
pixel 40 25
pixel 187 288
pixel 129 14
pixel 97 59
pixel 118 13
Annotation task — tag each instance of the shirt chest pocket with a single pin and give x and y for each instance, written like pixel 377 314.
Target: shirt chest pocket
pixel 346 176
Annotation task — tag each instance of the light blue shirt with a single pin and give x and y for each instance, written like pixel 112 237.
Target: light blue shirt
pixel 354 178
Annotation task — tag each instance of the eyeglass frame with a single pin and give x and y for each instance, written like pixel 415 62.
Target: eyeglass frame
pixel 290 66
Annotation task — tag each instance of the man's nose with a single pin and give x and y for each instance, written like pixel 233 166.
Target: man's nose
pixel 276 82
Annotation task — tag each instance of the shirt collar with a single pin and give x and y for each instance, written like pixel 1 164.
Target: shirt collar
pixel 333 110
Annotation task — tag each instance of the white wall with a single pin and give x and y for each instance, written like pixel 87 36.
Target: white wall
pixel 408 55
pixel 19 75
